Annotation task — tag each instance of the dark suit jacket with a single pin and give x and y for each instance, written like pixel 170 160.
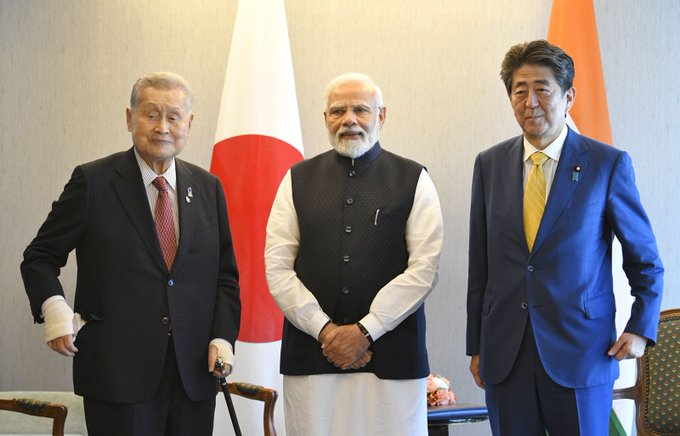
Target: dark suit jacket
pixel 564 286
pixel 124 289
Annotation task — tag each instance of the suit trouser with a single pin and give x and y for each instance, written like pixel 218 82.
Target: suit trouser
pixel 169 412
pixel 528 402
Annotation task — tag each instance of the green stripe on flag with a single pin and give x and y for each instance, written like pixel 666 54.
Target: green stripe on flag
pixel 615 427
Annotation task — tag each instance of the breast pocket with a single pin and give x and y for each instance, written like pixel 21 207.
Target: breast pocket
pixel 592 209
pixel 386 215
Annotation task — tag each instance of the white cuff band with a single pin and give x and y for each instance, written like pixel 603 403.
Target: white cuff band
pixel 58 320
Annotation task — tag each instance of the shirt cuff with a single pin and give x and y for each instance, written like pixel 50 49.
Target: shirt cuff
pixel 373 325
pixel 224 350
pixel 317 323
pixel 49 300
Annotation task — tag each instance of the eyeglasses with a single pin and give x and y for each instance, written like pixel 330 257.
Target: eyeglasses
pixel 360 111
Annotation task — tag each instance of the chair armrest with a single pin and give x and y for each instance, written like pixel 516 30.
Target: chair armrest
pixel 629 393
pixel 254 392
pixel 44 409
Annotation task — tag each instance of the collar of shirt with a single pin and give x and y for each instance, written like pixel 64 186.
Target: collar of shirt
pixel 148 175
pixel 553 150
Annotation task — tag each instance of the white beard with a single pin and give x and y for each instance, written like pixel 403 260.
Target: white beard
pixel 354 148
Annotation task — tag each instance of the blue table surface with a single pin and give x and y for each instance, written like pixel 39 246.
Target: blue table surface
pixel 456 411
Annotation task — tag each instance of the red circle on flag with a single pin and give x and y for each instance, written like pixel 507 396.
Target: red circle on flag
pixel 250 168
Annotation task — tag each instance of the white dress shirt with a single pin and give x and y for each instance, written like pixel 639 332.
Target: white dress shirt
pixel 553 151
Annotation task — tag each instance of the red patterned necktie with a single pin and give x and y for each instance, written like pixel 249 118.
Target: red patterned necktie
pixel 165 223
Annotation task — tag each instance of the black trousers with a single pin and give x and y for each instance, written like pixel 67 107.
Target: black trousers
pixel 169 412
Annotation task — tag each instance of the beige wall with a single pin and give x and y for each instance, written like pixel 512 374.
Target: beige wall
pixel 66 68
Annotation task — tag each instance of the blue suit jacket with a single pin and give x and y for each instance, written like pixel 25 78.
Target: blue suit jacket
pixel 564 286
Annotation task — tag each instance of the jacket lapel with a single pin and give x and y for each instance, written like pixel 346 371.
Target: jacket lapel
pixel 512 171
pixel 132 194
pixel 574 154
pixel 188 194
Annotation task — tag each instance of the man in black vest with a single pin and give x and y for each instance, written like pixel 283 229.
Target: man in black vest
pixel 352 251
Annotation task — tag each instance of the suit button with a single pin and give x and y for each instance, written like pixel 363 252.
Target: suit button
pixel 171 283
pixel 345 290
pixel 350 201
pixel 165 320
pixel 348 229
pixel 530 268
pixel 524 306
pixel 352 173
pixel 345 259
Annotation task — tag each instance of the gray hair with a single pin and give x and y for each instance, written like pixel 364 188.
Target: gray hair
pixel 161 80
pixel 354 77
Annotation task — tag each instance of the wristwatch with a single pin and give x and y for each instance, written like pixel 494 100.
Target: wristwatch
pixel 365 332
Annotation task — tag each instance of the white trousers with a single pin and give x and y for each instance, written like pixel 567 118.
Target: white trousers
pixel 357 404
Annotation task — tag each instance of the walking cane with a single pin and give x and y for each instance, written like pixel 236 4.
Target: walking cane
pixel 225 390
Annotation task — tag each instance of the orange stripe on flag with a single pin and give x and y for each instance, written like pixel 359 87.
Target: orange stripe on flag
pixel 574 29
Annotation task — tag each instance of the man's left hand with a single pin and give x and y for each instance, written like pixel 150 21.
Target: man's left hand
pixel 212 358
pixel 363 360
pixel 345 345
pixel 628 346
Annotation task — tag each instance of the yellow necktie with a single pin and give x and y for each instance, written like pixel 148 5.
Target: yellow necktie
pixel 534 198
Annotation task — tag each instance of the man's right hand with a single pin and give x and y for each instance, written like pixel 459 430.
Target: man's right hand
pixel 63 345
pixel 474 369
pixel 326 330
pixel 345 345
pixel 360 362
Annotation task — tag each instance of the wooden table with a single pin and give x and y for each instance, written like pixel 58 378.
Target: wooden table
pixel 439 417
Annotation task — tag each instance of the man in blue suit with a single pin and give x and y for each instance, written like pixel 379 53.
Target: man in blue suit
pixel 541 306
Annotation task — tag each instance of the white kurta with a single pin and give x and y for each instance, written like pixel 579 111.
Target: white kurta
pixel 355 403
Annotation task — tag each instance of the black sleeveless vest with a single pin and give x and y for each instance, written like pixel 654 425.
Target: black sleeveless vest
pixel 352 216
